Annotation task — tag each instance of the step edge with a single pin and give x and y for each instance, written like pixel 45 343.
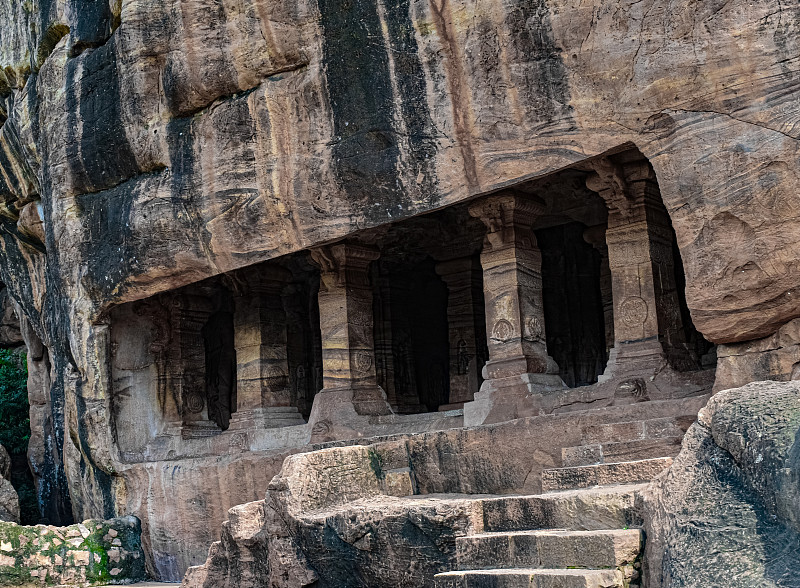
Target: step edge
pixel 554 532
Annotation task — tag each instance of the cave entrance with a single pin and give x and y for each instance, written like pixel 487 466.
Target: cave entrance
pixel 573 303
pixel 429 331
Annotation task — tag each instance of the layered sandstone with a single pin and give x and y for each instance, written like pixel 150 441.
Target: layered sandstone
pixel 146 145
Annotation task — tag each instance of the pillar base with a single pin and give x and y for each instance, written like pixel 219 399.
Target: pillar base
pixel 271 417
pixel 199 430
pixel 509 398
pixel 343 413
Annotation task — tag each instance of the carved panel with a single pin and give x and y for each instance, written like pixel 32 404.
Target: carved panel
pixel 503 330
pixel 633 311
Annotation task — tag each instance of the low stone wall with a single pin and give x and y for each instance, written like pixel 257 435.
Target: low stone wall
pixel 87 554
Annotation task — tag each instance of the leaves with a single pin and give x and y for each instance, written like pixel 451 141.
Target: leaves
pixel 15 429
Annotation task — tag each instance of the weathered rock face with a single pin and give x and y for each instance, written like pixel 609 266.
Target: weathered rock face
pixel 147 145
pixel 10 335
pixel 9 501
pixel 725 513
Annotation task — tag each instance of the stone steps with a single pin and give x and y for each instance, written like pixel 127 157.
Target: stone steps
pixel 581 510
pixel 635 450
pixel 531 578
pixel 654 428
pixel 595 549
pixel 629 472
pixel 551 549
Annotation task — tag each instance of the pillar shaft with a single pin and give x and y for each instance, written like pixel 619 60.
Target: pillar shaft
pixel 260 336
pixel 260 340
pixel 346 324
pixel 512 277
pixel 187 358
pixel 640 253
pixel 519 371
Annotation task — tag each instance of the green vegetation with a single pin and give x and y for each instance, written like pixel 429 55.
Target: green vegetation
pixel 15 429
pixel 376 463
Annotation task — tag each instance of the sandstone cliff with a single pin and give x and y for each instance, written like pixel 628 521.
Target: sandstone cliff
pixel 146 145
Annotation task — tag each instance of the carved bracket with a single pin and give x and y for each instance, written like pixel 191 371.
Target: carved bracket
pixel 508 217
pixel 343 264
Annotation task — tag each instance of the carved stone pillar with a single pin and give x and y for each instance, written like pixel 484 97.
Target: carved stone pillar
pixel 262 374
pixel 519 368
pixel 188 315
pixel 463 279
pixel 647 317
pixel 350 385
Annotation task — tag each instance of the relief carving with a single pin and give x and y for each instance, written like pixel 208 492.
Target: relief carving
pixel 463 356
pixel 633 311
pixel 194 403
pixel 534 329
pixel 503 330
pixel 363 361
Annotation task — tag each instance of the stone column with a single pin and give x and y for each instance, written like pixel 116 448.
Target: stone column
pixel 463 284
pixel 647 317
pixel 350 387
pixel 519 369
pixel 187 362
pixel 263 397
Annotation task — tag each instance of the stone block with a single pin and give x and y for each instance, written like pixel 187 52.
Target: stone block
pixel 582 455
pixel 604 474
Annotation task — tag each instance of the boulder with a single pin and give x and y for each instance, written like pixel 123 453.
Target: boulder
pixel 5 463
pixel 726 513
pixel 9 501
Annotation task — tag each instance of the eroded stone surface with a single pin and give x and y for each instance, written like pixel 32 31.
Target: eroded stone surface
pixel 147 145
pixel 725 514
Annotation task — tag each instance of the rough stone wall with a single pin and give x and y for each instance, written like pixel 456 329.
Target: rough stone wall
pixel 385 513
pixel 89 553
pixel 145 145
pixel 725 513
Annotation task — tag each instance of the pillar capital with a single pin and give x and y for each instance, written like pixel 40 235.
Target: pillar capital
pixel 344 263
pixel 267 280
pixel 596 237
pixel 508 217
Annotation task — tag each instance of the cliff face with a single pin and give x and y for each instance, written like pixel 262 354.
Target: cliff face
pixel 146 145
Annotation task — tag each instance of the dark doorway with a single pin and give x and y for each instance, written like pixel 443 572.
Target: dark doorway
pixel 411 334
pixel 220 364
pixel 573 307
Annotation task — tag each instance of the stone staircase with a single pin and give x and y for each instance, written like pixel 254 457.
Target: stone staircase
pixel 542 542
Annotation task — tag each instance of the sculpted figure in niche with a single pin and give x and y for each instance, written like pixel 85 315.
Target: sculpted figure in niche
pixel 464 357
pixel 220 367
